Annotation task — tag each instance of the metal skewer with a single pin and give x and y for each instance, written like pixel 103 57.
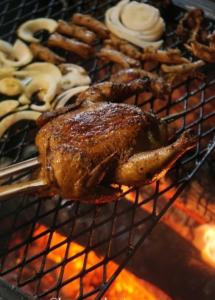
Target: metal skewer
pixel 19 167
pixel 12 189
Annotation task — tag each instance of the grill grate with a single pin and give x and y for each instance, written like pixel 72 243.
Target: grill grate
pixel 113 230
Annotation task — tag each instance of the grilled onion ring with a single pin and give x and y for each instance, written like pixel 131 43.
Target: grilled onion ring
pixel 138 23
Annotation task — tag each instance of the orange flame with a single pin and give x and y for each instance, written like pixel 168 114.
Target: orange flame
pixel 205 241
pixel 126 286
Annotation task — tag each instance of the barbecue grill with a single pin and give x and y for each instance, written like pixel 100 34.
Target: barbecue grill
pixel 115 230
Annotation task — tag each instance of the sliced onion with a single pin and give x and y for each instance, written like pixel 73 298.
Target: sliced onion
pixel 10 120
pixel 74 78
pixel 8 106
pixel 6 72
pixel 10 86
pixel 23 99
pixel 16 56
pixel 26 30
pixel 45 83
pixel 5 47
pixel 63 98
pixel 121 20
pixel 39 68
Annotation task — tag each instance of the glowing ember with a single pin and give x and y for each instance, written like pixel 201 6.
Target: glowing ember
pixel 205 241
pixel 126 286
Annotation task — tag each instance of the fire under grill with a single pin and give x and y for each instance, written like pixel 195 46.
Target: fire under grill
pixel 53 247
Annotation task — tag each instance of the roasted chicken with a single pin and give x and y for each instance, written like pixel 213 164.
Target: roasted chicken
pixel 85 149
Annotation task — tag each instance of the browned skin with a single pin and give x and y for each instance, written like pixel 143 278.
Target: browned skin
pixel 157 85
pixel 85 150
pixel 79 32
pixel 105 91
pixel 45 54
pixel 204 52
pixel 170 56
pixel 115 56
pixel 91 23
pixel 189 27
pixel 123 46
pixel 72 45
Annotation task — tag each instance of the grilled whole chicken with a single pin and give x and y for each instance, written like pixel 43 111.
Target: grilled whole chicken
pixel 85 149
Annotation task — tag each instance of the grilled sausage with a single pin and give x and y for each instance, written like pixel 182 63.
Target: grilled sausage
pixel 79 32
pixel 91 23
pixel 72 45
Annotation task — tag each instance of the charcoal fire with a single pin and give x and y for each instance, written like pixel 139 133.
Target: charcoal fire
pixel 127 286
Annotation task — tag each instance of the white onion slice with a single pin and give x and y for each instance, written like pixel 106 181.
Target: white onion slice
pixel 63 98
pixel 15 56
pixel 10 120
pixel 27 29
pixel 7 106
pixel 10 86
pixel 47 85
pixel 126 20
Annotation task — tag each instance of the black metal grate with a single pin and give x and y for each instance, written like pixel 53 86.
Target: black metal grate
pixel 113 230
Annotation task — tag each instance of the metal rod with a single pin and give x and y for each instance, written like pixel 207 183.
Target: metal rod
pixel 19 167
pixel 28 186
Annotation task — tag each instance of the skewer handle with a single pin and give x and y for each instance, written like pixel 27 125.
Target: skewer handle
pixel 19 167
pixel 12 189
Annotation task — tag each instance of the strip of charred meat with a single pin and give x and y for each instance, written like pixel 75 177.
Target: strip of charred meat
pixel 123 46
pixel 91 23
pixel 204 52
pixel 157 85
pixel 115 56
pixel 189 27
pixel 183 68
pixel 76 31
pixel 45 54
pixel 72 45
pixel 170 56
pixel 179 73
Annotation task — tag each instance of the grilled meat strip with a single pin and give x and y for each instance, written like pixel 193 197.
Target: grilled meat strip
pixel 45 54
pixel 76 31
pixel 88 21
pixel 115 56
pixel 72 45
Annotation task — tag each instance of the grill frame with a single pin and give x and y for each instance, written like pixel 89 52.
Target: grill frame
pixel 24 204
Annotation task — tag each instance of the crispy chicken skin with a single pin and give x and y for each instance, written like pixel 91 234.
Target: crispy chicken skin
pixel 72 45
pixel 76 31
pixel 88 21
pixel 118 57
pixel 86 149
pixel 100 92
pixel 45 54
